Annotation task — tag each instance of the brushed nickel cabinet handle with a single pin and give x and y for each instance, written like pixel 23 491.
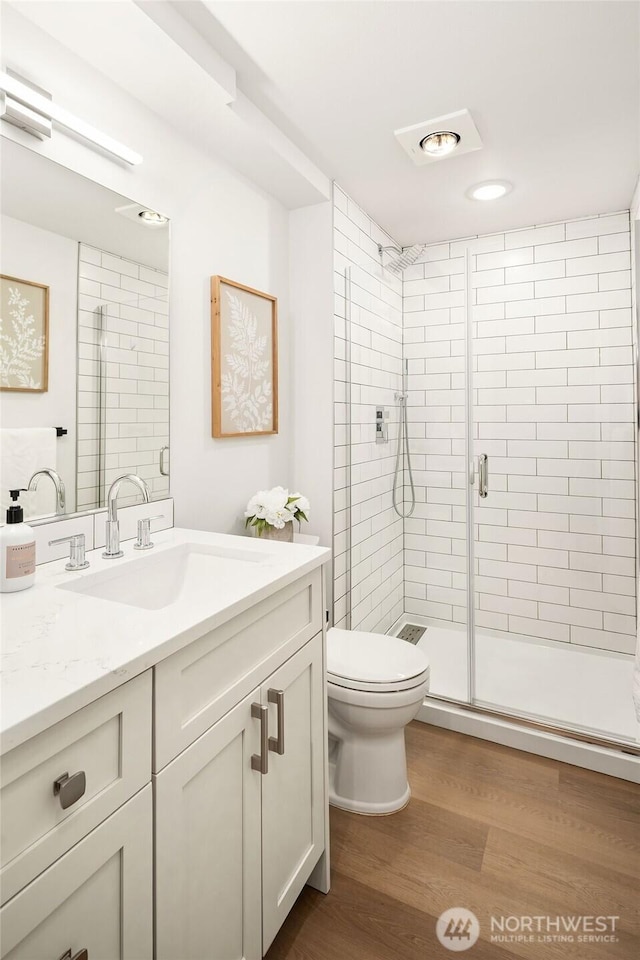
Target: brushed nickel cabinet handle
pixel 277 743
pixel 82 954
pixel 260 761
pixel 69 789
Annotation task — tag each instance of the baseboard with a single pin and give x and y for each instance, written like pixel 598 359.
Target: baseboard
pixel 612 762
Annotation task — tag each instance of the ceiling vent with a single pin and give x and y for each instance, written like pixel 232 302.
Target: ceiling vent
pixel 460 124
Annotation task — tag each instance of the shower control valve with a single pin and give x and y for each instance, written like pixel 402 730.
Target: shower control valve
pixel 382 425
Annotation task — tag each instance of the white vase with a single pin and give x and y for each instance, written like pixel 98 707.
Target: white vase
pixel 273 533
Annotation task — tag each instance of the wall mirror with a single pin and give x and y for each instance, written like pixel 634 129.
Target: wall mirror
pixel 84 338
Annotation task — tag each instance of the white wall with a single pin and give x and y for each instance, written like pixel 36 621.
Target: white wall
pixel 220 224
pixel 30 253
pixel 225 227
pixel 311 270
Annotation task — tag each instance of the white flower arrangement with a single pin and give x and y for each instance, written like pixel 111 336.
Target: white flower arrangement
pixel 275 508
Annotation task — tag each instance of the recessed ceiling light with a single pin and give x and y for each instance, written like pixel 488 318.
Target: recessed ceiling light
pixel 440 143
pixel 152 218
pixel 490 190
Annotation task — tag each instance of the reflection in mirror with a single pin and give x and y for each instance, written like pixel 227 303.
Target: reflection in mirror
pixel 84 339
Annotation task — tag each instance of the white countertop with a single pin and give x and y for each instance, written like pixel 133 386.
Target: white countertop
pixel 60 650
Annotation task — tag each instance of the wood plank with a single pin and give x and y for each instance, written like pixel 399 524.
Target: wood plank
pixel 549 878
pixel 432 884
pixel 432 748
pixel 419 826
pixel 355 922
pixel 598 839
pixel 498 831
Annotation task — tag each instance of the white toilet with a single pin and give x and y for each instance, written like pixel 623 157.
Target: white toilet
pixel 376 686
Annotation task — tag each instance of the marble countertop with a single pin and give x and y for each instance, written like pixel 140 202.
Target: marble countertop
pixel 60 650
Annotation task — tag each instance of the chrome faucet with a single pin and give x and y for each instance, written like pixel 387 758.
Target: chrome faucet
pixel 56 480
pixel 113 524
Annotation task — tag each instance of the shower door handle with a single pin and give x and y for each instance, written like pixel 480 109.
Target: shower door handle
pixel 483 475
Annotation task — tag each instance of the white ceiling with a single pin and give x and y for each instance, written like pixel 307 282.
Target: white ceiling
pixel 168 69
pixel 553 87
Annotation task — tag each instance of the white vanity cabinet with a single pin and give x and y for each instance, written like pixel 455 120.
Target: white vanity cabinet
pixel 293 790
pixel 240 825
pixel 192 797
pixel 94 903
pixel 240 813
pixel 105 749
pixel 77 834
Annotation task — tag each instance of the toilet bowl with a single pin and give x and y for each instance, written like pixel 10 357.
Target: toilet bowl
pixel 376 685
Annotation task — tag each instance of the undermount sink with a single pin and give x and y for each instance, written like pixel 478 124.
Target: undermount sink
pixel 154 582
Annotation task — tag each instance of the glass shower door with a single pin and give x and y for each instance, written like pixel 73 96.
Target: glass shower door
pixel 553 494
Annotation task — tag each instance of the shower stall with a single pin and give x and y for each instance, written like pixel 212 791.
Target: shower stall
pixel 513 358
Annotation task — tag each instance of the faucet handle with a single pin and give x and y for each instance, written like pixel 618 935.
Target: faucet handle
pixel 77 559
pixel 144 532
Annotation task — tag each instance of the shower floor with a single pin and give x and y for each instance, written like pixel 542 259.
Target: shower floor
pixel 567 686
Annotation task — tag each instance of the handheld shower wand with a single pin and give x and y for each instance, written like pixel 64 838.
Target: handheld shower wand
pixel 403 441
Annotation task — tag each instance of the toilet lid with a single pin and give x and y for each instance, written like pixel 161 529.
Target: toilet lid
pixel 372 661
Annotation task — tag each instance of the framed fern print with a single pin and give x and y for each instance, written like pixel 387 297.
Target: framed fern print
pixel 24 335
pixel 244 360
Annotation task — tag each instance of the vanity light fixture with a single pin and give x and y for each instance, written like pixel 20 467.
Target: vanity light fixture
pixel 490 190
pixel 24 99
pixel 440 143
pixel 152 219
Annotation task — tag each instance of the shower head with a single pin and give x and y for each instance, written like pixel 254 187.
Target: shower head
pixel 405 256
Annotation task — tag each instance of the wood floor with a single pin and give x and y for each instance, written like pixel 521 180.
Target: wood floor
pixel 488 828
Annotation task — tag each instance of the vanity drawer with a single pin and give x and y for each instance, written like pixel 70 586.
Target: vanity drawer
pixel 97 897
pixel 199 684
pixel 110 742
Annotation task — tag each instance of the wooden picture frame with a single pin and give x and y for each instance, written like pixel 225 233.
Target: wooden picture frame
pixel 24 335
pixel 244 360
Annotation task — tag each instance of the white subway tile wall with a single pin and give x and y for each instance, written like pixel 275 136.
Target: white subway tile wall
pixel 553 392
pixel 376 568
pixel 136 370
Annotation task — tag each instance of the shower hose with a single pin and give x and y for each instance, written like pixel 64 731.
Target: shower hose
pixel 403 441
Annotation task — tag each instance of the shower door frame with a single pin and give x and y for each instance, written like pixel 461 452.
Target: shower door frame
pixel 470 475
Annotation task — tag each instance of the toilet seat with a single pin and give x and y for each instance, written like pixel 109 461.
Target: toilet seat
pixel 373 662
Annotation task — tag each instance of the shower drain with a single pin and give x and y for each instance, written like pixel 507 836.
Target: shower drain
pixel 411 632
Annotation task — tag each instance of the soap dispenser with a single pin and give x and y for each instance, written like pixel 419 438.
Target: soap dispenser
pixel 17 550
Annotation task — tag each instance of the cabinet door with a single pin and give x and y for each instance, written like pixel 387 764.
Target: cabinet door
pixel 207 804
pixel 97 897
pixel 293 792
